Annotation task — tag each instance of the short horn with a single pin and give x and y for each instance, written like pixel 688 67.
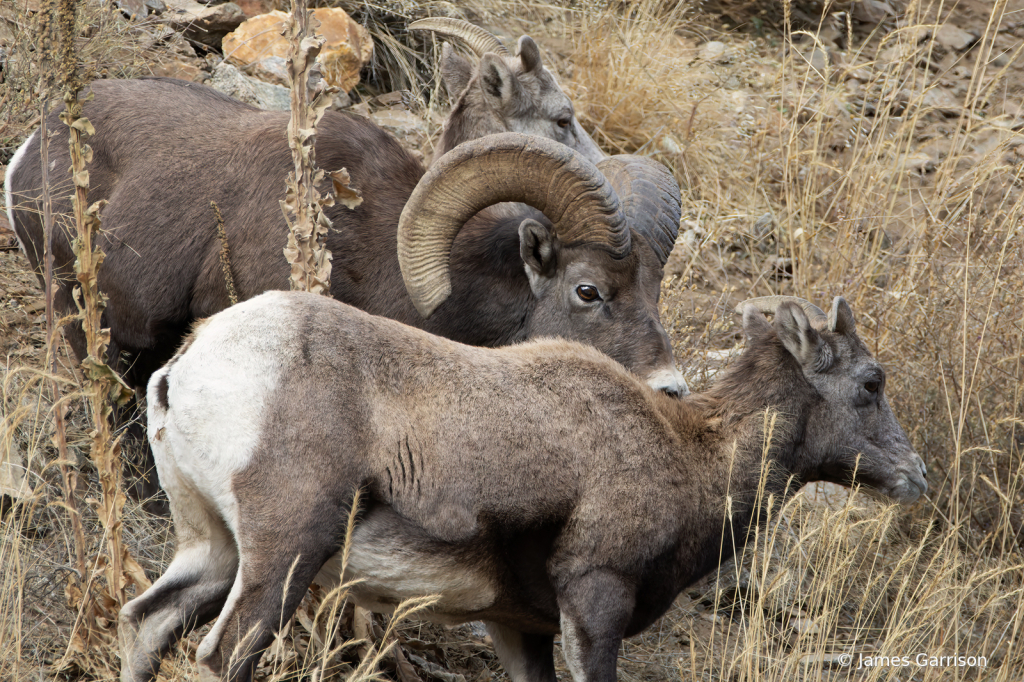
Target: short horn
pixel 769 304
pixel 474 37
pixel 650 199
pixel 547 175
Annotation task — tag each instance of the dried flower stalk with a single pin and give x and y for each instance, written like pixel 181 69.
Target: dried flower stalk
pixel 304 205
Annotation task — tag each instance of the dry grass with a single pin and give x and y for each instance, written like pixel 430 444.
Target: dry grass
pixel 859 179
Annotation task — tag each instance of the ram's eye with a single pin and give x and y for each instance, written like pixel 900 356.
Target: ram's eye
pixel 564 122
pixel 872 386
pixel 588 293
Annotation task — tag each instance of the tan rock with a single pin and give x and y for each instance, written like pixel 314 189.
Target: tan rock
pixel 347 48
pixel 179 68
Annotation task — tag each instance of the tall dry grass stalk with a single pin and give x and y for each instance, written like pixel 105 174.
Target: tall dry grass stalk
pixel 97 601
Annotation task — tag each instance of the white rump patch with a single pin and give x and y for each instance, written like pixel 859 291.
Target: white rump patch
pixel 218 392
pixel 8 194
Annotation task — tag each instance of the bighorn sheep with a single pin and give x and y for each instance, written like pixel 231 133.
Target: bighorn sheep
pixel 163 149
pixel 504 92
pixel 538 487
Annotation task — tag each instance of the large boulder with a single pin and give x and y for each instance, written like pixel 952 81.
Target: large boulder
pixel 347 47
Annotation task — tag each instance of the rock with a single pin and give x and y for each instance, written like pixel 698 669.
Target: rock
pixel 181 69
pixel 132 8
pixel 942 100
pixel 820 60
pixel 715 51
pixel 872 11
pixel 206 25
pixel 347 48
pixel 14 486
pixel 407 127
pixel 954 38
pixel 234 83
pixel 271 70
pixel 918 162
pixel 156 7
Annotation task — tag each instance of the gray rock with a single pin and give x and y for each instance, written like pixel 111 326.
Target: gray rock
pixel 954 38
pixel 206 25
pixel 714 51
pixel 156 7
pixel 132 8
pixel 234 83
pixel 272 70
pixel 943 101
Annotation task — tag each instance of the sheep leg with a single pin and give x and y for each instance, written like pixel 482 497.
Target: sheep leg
pixel 189 593
pixel 268 587
pixel 595 610
pixel 525 657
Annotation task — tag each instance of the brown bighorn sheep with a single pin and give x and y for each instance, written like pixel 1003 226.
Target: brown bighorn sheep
pixel 538 487
pixel 504 92
pixel 163 149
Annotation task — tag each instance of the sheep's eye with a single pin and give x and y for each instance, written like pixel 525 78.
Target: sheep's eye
pixel 872 386
pixel 588 293
pixel 564 122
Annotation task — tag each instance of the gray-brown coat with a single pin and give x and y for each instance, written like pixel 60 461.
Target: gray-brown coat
pixel 539 487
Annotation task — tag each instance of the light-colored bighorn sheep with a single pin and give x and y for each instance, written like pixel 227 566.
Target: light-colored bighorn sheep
pixel 540 488
pixel 503 92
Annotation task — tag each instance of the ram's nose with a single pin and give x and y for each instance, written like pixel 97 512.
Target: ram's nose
pixel 669 382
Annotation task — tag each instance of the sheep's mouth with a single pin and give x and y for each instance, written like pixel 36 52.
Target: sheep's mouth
pixel 903 483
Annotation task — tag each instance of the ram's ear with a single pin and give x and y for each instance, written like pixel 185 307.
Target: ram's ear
pixel 497 82
pixel 455 71
pixel 529 55
pixel 537 247
pixel 801 339
pixel 840 318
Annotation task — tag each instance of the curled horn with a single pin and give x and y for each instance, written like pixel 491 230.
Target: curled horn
pixel 474 37
pixel 542 173
pixel 650 199
pixel 769 304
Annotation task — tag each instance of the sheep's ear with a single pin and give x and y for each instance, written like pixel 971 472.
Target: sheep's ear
pixel 755 324
pixel 840 318
pixel 537 249
pixel 455 71
pixel 496 80
pixel 801 339
pixel 529 55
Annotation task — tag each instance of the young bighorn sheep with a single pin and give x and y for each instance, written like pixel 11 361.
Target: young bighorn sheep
pixel 540 488
pixel 163 149
pixel 503 92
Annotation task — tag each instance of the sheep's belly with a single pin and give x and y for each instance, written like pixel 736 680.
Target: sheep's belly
pixel 390 572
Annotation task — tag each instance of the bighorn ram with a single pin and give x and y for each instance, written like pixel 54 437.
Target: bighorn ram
pixel 163 149
pixel 504 92
pixel 539 487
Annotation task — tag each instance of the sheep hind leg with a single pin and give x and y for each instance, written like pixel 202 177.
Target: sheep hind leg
pixel 188 595
pixel 525 657
pixel 267 590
